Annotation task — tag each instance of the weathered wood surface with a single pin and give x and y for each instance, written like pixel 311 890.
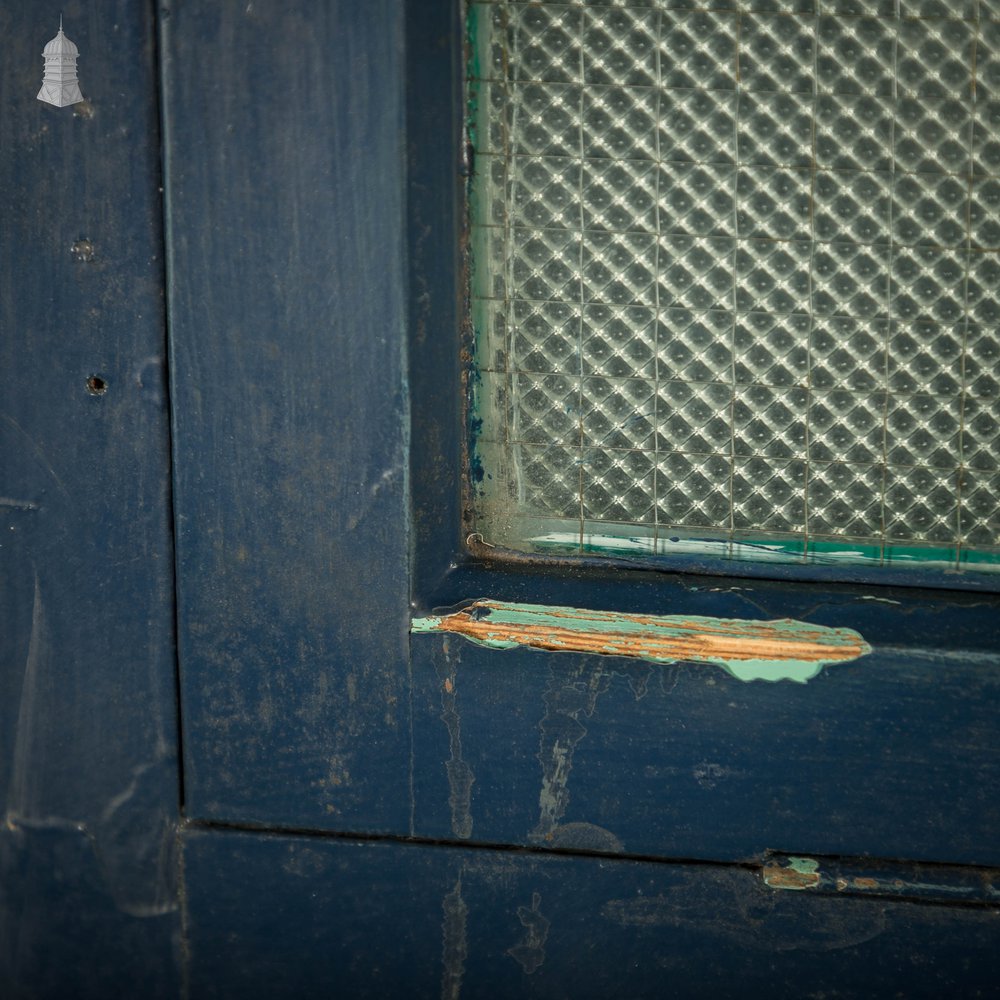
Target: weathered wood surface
pixel 896 754
pixel 288 283
pixel 751 649
pixel 281 916
pixel 286 179
pixel 285 182
pixel 88 767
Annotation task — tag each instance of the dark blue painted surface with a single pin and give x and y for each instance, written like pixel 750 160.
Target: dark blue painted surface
pixel 68 930
pixel 894 755
pixel 388 920
pixel 88 768
pixel 285 181
pixel 289 287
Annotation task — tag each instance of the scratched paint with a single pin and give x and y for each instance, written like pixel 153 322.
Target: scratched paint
pixel 750 918
pixel 748 649
pixel 460 776
pixel 529 952
pixel 795 551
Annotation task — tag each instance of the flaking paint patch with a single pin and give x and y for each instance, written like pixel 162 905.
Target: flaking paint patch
pixel 795 873
pixel 748 649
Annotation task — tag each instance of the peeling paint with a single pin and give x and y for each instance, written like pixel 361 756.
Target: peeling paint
pixel 748 649
pixel 795 873
pixel 898 880
pixel 795 551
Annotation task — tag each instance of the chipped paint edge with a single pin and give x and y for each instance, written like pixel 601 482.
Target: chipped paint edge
pixel 796 874
pixel 886 879
pixel 748 649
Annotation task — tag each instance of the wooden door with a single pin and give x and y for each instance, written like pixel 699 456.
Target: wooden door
pixel 361 808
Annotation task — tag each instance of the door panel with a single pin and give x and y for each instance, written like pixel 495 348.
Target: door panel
pixel 890 754
pixel 318 468
pixel 305 500
pixel 288 296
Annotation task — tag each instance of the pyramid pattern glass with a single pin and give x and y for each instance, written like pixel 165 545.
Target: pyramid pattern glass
pixel 736 276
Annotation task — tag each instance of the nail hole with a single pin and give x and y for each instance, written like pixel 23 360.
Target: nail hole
pixel 96 386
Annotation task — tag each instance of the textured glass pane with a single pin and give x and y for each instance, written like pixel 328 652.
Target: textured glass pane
pixel 736 278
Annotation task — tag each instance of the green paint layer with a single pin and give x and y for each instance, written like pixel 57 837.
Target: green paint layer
pixel 747 649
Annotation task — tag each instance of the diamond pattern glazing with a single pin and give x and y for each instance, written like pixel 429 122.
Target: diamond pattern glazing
pixel 736 274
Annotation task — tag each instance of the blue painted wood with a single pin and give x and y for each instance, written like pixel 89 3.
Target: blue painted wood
pixel 88 765
pixel 68 930
pixel 285 179
pixel 280 916
pixel 284 142
pixel 292 596
pixel 894 755
pixel 903 616
pixel 285 184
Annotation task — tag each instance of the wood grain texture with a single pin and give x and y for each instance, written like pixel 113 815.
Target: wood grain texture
pixel 288 286
pixel 894 755
pixel 388 920
pixel 88 767
pixel 285 189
